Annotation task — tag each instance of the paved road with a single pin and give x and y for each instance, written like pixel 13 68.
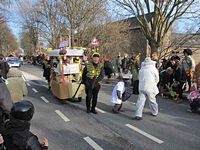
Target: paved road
pixel 69 127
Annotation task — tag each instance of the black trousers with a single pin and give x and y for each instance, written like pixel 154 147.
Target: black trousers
pixel 91 94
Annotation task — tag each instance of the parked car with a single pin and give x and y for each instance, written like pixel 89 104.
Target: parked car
pixel 13 62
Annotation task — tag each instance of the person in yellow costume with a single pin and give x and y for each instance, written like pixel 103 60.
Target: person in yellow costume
pixel 93 74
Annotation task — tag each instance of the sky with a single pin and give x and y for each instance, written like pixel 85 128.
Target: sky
pixel 14 22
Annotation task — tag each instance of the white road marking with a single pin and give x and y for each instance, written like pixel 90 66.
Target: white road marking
pixel 23 78
pixel 62 115
pixel 153 138
pixel 28 84
pixel 34 90
pixel 92 143
pixel 101 111
pixel 45 86
pixel 44 99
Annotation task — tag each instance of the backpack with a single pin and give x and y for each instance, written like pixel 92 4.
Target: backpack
pixel 18 141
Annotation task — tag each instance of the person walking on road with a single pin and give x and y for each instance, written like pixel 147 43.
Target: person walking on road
pixel 17 135
pixel 16 86
pixel 148 80
pixel 93 74
pixel 5 104
pixel 47 70
pixel 4 67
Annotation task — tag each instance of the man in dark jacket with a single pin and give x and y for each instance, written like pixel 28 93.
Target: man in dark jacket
pixel 17 135
pixel 5 103
pixel 93 74
pixel 109 69
pixel 47 70
pixel 4 67
pixel 179 75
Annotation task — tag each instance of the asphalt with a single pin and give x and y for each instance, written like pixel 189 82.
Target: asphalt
pixel 173 129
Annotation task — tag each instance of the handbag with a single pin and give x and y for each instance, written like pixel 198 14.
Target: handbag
pixel 125 96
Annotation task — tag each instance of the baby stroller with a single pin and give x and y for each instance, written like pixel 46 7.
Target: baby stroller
pixel 194 100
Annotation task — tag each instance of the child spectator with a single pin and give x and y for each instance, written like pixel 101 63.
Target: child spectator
pixel 117 92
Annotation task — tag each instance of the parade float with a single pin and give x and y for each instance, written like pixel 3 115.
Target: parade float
pixel 66 73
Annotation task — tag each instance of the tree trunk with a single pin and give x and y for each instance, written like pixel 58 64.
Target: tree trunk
pixel 154 47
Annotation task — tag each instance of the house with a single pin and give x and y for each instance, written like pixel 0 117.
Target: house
pixel 138 41
pixel 181 41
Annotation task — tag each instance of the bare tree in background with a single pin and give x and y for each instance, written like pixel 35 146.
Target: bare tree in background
pixel 164 13
pixel 80 14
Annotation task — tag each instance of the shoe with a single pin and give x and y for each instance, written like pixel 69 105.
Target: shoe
pixel 94 111
pixel 153 115
pixel 88 111
pixel 137 118
pixel 114 111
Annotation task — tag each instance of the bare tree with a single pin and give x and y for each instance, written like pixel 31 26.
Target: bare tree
pixel 3 10
pixel 80 14
pixel 164 13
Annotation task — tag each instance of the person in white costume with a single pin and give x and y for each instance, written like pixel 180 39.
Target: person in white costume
pixel 148 80
pixel 117 92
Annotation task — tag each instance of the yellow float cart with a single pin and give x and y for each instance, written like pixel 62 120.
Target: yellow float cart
pixel 66 79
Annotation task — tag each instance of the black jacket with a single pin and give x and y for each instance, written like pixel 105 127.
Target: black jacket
pixel 17 136
pixel 109 68
pixel 4 68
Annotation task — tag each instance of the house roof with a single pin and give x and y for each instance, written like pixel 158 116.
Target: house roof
pixel 134 23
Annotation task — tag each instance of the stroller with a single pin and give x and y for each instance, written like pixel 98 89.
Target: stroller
pixel 194 100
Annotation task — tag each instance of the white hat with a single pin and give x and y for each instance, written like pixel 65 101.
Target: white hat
pixel 148 61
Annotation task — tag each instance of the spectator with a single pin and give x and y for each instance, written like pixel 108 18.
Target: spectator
pixel 125 64
pixel 5 104
pixel 119 64
pixel 148 80
pixel 109 69
pixel 134 65
pixel 17 133
pixel 189 66
pixel 15 80
pixel 179 76
pixel 4 67
pixel 166 79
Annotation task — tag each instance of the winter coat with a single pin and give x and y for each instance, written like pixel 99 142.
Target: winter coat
pixel 120 86
pixel 188 63
pixel 4 68
pixel 148 77
pixel 47 69
pixel 94 82
pixel 134 68
pixel 125 65
pixel 16 85
pixel 5 98
pixel 17 136
pixel 109 68
pixel 179 74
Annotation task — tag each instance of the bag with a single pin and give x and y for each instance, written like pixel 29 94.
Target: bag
pixel 195 105
pixel 125 96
